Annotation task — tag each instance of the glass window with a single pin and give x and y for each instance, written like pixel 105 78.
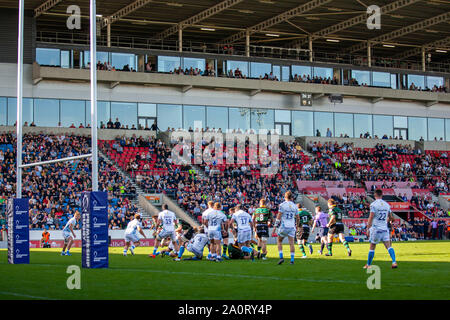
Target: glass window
pixel 65 59
pixel 192 114
pixel 169 116
pixel 27 110
pixel 302 123
pixel 381 79
pixel 323 122
pixel 434 81
pixel 262 119
pixel 417 128
pixel 363 124
pixel 343 124
pixel 363 77
pixel 400 122
pixel 126 112
pixel 393 81
pixel 239 118
pixel 46 112
pixel 259 69
pixel 72 111
pixel 447 129
pixel 120 60
pixel 103 112
pixel 283 116
pixel 168 64
pixel 48 57
pixel 323 73
pixel 194 63
pixel 147 110
pixel 101 56
pixel 382 125
pixel 301 71
pixel 3 111
pixel 277 72
pixel 435 129
pixel 234 65
pixel 217 117
pixel 416 80
pixel 284 73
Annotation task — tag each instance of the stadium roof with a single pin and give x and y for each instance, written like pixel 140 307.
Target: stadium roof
pixel 335 25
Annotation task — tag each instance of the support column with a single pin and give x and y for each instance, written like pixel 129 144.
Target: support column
pixel 247 43
pixel 180 39
pixel 19 101
pixel 310 49
pixel 424 59
pixel 108 34
pixel 93 72
pixel 369 54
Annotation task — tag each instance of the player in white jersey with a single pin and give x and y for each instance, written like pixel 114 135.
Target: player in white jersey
pixel 380 215
pixel 204 214
pixel 215 220
pixel 131 234
pixel 286 225
pixel 195 245
pixel 167 220
pixel 69 234
pixel 244 226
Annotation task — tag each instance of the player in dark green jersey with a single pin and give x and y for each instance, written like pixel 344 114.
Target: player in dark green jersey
pixel 235 252
pixel 262 219
pixel 303 221
pixel 335 226
pixel 225 234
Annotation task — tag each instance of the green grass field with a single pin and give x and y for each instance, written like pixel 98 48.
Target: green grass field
pixel 423 273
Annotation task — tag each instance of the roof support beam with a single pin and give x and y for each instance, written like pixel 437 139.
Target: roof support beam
pixel 186 88
pixel 197 18
pixel 277 19
pixel 401 32
pixel 254 92
pixel 416 51
pixel 362 18
pixel 47 5
pixel 375 100
pixel 431 103
pixel 124 12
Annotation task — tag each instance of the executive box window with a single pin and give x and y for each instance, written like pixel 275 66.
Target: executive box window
pixel 363 77
pixel 381 79
pixel 3 111
pixel 417 128
pixel 258 69
pixel 277 72
pixel 343 124
pixel 48 57
pixel 126 112
pixel 239 118
pixel 363 124
pixel 101 56
pixel 168 64
pixel 283 116
pixel 323 73
pixel 147 110
pixel 193 117
pixel 169 116
pixel 46 112
pixel 435 129
pixel 217 118
pixel 302 123
pixel 103 113
pixel 27 110
pixel 322 122
pixel 262 119
pixel 194 63
pixel 121 60
pixel 234 65
pixel 434 81
pixel 382 125
pixel 447 129
pixel 65 58
pixel 284 73
pixel 73 111
pixel 416 81
pixel 301 71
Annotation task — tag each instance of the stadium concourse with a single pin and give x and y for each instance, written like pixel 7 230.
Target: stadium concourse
pixel 412 180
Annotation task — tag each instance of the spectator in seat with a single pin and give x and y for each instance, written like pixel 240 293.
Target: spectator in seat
pixel 117 124
pixel 110 124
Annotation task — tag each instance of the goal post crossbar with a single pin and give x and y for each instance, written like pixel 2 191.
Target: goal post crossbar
pixel 89 155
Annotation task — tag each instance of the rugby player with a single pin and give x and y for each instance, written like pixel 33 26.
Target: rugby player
pixel 321 221
pixel 204 214
pixel 131 236
pixel 69 234
pixel 380 215
pixel 285 223
pixel 185 234
pixel 262 218
pixel 244 227
pixel 235 252
pixel 215 220
pixel 304 220
pixel 168 220
pixel 335 226
pixel 196 245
